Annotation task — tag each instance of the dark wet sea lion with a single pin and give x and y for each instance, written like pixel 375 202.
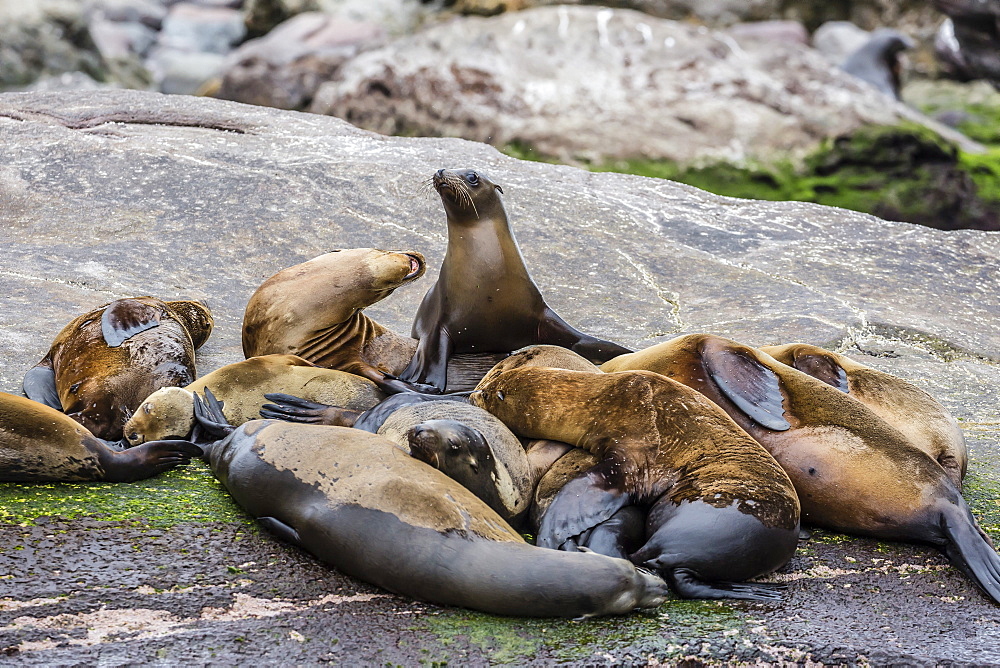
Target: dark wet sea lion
pixel 105 362
pixel 924 422
pixel 484 300
pixel 853 471
pixel 315 310
pixel 357 502
pixel 721 510
pixel 40 444
pixel 878 60
pixel 242 386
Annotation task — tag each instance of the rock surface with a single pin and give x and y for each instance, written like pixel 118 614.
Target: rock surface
pixel 117 193
pixel 599 84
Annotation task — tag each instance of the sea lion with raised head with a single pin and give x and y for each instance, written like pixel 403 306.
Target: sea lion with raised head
pixel 105 362
pixel 853 471
pixel 916 414
pixel 315 310
pixel 40 444
pixel 241 386
pixel 357 502
pixel 484 300
pixel 720 509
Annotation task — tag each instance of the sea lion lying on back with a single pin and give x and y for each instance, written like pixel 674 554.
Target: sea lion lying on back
pixel 315 310
pixel 105 362
pixel 484 300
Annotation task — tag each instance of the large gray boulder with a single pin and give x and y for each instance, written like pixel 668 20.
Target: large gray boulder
pixel 601 84
pixel 117 193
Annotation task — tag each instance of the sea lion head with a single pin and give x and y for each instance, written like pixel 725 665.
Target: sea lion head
pixel 196 317
pixel 166 413
pixel 450 446
pixel 359 277
pixel 467 194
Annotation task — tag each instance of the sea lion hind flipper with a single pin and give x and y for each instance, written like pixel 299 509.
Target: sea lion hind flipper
pixel 688 585
pixel 824 368
pixel 280 530
pixel 751 386
pixel 40 385
pixel 969 551
pixel 582 504
pixel 553 330
pixel 124 318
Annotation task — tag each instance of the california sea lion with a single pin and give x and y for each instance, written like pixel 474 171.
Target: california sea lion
pixel 721 510
pixel 105 362
pixel 853 471
pixel 484 300
pixel 878 60
pixel 360 504
pixel 314 310
pixel 917 415
pixel 40 444
pixel 169 412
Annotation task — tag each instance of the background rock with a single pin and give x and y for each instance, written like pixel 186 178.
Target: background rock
pixel 118 193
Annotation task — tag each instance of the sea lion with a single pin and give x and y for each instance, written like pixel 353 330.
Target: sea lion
pixel 40 444
pixel 357 502
pixel 105 362
pixel 877 61
pixel 484 300
pixel 315 310
pixel 853 472
pixel 241 386
pixel 917 415
pixel 292 408
pixel 721 510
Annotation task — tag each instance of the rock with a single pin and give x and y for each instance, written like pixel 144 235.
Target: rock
pixel 184 72
pixel 581 83
pixel 781 32
pixel 836 40
pixel 149 13
pixel 261 16
pixel 968 44
pixel 286 67
pixel 198 29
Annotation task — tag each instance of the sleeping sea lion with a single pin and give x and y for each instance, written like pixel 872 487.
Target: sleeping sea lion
pixel 40 444
pixel 917 415
pixel 484 300
pixel 721 510
pixel 853 472
pixel 357 502
pixel 241 386
pixel 315 310
pixel 105 362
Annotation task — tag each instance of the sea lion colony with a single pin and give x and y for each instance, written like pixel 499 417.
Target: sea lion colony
pixel 690 462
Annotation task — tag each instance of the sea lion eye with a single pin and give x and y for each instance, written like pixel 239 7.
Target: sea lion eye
pixel 148 408
pixel 473 179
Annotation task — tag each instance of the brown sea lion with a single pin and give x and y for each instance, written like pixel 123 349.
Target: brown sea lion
pixel 853 471
pixel 359 503
pixel 40 444
pixel 720 509
pixel 315 310
pixel 241 386
pixel 917 415
pixel 105 362
pixel 484 300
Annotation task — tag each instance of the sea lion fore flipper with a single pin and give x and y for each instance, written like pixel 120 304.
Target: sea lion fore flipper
pixel 124 318
pixel 430 363
pixel 582 504
pixel 689 585
pixel 40 385
pixel 751 386
pixel 823 368
pixel 280 530
pixel 296 409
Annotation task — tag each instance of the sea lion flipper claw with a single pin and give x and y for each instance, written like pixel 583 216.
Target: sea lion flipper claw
pixel 124 318
pixel 40 385
pixel 280 530
pixel 582 504
pixel 751 386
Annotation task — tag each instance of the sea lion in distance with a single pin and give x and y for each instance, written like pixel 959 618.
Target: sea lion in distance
pixel 484 300
pixel 105 362
pixel 357 502
pixel 315 310
pixel 40 444
pixel 924 422
pixel 853 471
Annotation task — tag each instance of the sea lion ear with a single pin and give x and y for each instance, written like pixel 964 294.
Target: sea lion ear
pixel 498 188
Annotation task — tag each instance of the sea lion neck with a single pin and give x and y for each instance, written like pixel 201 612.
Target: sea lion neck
pixel 486 249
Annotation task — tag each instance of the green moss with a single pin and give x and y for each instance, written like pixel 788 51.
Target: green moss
pixel 983 497
pixel 185 494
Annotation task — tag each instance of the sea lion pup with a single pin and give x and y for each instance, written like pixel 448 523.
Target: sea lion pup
pixel 314 310
pixel 105 362
pixel 853 471
pixel 484 300
pixel 40 444
pixel 721 510
pixel 924 422
pixel 169 412
pixel 357 502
